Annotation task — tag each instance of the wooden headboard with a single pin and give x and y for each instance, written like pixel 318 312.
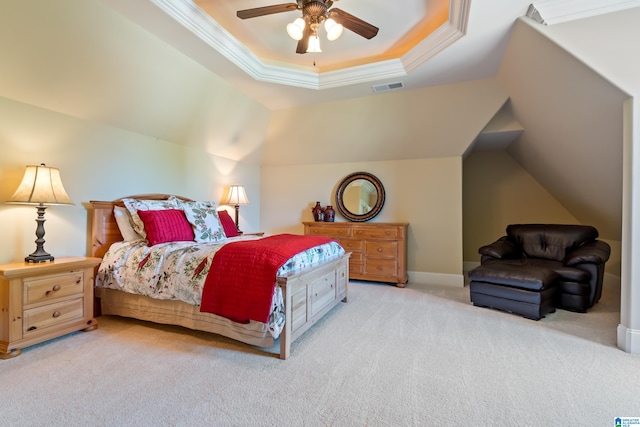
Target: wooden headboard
pixel 104 229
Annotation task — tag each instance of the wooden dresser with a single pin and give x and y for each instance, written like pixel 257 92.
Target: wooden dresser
pixel 378 250
pixel 42 301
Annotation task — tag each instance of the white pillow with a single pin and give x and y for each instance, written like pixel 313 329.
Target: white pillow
pixel 135 205
pixel 123 219
pixel 203 217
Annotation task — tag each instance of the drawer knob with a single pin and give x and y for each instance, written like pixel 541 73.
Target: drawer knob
pixel 54 289
pixel 56 314
pixel 32 328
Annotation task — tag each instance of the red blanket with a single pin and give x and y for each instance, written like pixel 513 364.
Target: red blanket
pixel 241 280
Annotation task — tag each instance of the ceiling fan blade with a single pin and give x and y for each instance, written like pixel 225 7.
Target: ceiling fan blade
pixel 303 43
pixel 354 24
pixel 266 10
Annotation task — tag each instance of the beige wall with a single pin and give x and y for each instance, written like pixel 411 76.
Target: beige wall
pixel 572 116
pixel 412 140
pixel 497 192
pixel 119 112
pixel 99 162
pixel 423 123
pixel 426 193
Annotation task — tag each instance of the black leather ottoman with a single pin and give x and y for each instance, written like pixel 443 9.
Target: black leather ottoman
pixel 528 292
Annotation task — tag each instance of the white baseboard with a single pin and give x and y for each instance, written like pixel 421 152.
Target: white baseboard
pixel 628 339
pixel 424 278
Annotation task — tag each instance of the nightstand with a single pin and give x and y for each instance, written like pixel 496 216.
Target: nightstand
pixel 45 300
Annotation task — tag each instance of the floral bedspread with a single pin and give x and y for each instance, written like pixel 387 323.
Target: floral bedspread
pixel 178 270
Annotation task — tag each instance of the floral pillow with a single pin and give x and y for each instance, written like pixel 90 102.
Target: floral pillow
pixel 135 205
pixel 204 219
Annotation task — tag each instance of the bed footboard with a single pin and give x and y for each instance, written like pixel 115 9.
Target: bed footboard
pixel 309 295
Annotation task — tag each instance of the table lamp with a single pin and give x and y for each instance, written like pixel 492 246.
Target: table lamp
pixel 236 196
pixel 42 186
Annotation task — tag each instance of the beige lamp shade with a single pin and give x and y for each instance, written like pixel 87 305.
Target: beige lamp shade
pixel 236 196
pixel 41 184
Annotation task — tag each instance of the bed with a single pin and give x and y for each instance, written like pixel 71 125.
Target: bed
pixel 306 294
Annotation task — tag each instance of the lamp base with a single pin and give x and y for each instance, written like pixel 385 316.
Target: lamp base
pixel 39 255
pixel 45 257
pixel 237 213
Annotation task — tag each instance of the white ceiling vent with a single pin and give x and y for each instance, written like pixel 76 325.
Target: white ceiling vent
pixel 387 87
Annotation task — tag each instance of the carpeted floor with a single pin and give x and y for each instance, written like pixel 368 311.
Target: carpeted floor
pixel 420 356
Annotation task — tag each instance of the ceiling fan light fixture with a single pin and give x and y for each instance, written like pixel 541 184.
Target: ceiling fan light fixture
pixel 295 29
pixel 333 29
pixel 314 44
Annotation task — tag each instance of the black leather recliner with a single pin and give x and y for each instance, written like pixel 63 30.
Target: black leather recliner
pixel 564 260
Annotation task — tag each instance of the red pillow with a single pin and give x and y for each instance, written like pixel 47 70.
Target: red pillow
pixel 228 224
pixel 166 226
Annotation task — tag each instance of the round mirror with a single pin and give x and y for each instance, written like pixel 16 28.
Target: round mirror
pixel 360 197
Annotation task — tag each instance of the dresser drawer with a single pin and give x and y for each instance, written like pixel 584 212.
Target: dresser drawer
pixel 356 257
pixel 353 246
pixel 381 250
pixel 381 267
pixel 335 232
pixel 390 233
pixel 37 319
pixel 356 268
pixel 52 286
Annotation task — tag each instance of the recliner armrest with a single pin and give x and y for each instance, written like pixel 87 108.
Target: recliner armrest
pixel 596 252
pixel 501 249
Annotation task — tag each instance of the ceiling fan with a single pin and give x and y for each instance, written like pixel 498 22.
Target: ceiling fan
pixel 314 13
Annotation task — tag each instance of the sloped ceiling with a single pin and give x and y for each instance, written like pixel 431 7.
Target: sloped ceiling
pixel 565 153
pixel 572 120
pixel 415 45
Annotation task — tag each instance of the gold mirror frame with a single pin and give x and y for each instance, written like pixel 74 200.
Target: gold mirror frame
pixel 344 184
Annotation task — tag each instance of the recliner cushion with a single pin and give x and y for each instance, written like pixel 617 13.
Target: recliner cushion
pixel 573 274
pixel 550 241
pixel 574 288
pixel 534 279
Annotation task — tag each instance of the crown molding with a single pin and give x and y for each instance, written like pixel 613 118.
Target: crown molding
pixel 549 12
pixel 189 15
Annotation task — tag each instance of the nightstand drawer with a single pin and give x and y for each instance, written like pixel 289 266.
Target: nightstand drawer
pixel 53 286
pixel 37 319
